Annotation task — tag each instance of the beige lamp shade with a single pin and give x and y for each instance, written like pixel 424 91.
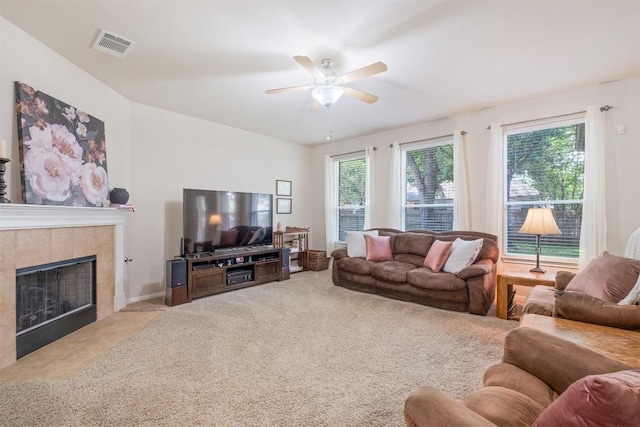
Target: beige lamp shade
pixel 215 220
pixel 539 221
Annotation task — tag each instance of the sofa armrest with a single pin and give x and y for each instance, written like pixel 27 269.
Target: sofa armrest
pixel 555 360
pixel 563 278
pixel 339 253
pixel 428 406
pixel 585 308
pixel 480 268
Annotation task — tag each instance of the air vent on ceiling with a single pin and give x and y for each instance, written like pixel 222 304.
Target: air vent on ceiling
pixel 113 44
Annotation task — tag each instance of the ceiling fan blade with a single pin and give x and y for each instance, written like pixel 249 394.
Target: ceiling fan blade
pixel 369 70
pixel 316 106
pixel 360 95
pixel 308 65
pixel 287 89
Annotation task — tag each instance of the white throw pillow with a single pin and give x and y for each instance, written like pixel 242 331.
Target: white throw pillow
pixel 463 254
pixel 634 295
pixel 356 246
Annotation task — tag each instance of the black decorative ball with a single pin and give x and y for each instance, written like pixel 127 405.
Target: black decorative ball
pixel 119 196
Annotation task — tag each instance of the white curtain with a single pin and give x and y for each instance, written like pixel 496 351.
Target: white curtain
pixel 495 182
pixel 593 232
pixel 461 214
pixel 370 218
pixel 395 189
pixel 330 204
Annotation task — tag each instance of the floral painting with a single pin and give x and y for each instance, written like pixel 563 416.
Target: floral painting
pixel 63 155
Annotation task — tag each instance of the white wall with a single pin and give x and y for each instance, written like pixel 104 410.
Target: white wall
pixel 622 161
pixel 23 58
pixel 171 152
pixel 152 153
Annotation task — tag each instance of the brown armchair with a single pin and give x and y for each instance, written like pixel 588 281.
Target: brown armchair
pixel 536 368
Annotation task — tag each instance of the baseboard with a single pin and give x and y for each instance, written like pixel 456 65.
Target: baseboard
pixel 145 297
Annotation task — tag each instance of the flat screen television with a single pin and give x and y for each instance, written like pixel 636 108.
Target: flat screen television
pixel 225 219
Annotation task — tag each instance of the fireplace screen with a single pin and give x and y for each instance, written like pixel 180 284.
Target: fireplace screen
pixel 48 293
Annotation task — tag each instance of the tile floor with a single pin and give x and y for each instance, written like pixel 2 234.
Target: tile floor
pixel 63 358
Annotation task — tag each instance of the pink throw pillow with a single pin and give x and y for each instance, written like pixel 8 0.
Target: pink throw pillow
pixel 608 277
pixel 602 400
pixel 437 255
pixel 378 248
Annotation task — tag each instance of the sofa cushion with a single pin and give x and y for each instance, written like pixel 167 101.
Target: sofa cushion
pixel 413 243
pixel 563 278
pixel 437 255
pixel 607 277
pixel 597 400
pixel 510 376
pixel 228 237
pixel 391 271
pixel 503 406
pixel 424 278
pixel 585 308
pixel 463 254
pixel 378 248
pixel 356 246
pixel 540 301
pixel 355 265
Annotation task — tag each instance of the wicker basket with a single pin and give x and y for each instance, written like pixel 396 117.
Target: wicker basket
pixel 318 260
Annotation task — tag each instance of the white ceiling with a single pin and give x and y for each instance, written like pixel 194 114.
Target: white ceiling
pixel 214 59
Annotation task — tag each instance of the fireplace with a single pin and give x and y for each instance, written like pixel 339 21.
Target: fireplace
pixel 53 300
pixel 34 235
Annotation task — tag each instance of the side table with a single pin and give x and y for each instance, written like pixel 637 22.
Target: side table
pixel 507 278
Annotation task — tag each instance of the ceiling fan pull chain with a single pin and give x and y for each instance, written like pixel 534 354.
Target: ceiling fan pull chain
pixel 330 135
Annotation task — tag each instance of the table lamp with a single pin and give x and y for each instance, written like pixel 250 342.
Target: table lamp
pixel 540 222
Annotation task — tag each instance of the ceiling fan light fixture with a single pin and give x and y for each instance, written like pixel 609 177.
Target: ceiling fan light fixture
pixel 327 95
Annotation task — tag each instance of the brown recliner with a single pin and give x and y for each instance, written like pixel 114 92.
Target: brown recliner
pixel 536 368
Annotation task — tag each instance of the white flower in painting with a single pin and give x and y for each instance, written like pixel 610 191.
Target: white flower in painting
pixel 40 138
pixel 81 130
pixel 93 181
pixel 49 174
pixel 65 142
pixel 82 116
pixel 69 113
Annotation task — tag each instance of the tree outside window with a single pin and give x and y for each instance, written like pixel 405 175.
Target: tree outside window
pixel 428 187
pixel 545 167
pixel 352 185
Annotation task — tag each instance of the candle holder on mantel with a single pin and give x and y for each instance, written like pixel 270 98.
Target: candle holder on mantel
pixel 3 186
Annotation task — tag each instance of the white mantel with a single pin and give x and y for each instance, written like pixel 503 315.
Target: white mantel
pixel 14 216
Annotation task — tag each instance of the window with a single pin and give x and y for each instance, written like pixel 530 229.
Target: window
pixel 545 168
pixel 351 182
pixel 428 191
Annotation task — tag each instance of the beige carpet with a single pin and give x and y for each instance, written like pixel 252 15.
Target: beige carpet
pixel 298 352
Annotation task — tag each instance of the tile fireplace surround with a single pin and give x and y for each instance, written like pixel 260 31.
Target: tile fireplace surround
pixel 38 234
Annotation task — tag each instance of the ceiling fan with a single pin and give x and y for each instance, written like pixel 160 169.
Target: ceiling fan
pixel 327 87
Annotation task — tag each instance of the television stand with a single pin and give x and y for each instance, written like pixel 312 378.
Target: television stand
pixel 223 271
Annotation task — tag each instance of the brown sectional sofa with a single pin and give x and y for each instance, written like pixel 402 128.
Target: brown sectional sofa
pixel 556 302
pixel 406 278
pixel 536 369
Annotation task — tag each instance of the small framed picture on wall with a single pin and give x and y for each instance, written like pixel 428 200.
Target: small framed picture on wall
pixel 283 188
pixel 283 206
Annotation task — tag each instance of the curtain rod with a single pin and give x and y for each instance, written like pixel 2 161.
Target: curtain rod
pixel 604 108
pixel 429 139
pixel 351 152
